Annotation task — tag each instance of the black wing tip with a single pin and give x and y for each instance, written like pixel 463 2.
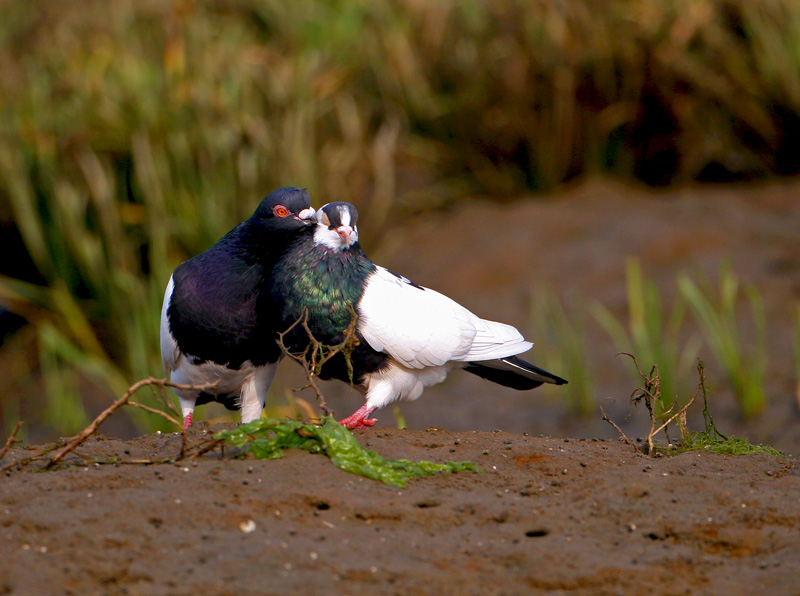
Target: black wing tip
pixel 524 364
pixel 506 378
pixel 513 372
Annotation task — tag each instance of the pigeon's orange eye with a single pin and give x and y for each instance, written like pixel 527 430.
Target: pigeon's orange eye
pixel 280 211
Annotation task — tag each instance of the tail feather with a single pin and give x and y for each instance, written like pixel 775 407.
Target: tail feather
pixel 513 372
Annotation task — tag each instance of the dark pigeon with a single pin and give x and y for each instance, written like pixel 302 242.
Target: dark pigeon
pixel 217 321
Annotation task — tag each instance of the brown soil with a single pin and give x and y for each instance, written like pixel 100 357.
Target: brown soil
pixel 546 516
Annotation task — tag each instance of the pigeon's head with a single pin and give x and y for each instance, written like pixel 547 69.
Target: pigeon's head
pixel 336 226
pixel 285 210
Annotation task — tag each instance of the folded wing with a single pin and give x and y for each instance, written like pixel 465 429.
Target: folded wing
pixel 420 327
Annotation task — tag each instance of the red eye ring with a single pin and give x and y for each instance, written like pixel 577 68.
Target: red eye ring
pixel 280 211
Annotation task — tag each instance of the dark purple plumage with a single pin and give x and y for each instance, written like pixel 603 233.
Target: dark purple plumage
pixel 217 313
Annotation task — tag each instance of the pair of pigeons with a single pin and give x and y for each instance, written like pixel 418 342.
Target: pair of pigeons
pixel 224 309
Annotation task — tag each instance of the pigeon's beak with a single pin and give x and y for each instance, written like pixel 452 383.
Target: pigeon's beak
pixel 308 216
pixel 345 232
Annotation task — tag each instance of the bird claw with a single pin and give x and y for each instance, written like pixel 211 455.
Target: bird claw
pixel 187 420
pixel 359 419
pixel 364 423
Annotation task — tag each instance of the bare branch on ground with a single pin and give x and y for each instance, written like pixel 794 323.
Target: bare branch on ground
pixel 71 444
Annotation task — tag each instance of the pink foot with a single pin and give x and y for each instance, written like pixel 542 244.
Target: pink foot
pixel 187 420
pixel 359 419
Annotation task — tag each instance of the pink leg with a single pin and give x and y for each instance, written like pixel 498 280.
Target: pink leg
pixel 360 418
pixel 187 420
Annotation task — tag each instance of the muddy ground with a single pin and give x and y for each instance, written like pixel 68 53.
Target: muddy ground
pixel 546 516
pixel 571 512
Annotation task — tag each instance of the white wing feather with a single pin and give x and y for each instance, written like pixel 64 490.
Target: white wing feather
pixel 421 327
pixel 169 347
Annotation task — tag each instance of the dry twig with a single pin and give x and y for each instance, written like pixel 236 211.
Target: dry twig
pixel 619 430
pixel 93 426
pixel 660 417
pixel 156 411
pixel 315 355
pixel 64 449
pixel 12 438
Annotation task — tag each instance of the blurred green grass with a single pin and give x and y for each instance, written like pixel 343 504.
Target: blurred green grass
pixel 134 134
pixel 654 334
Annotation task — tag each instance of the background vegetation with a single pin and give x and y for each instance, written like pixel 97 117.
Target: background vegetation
pixel 133 134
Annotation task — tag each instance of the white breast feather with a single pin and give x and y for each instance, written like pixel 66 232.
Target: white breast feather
pixel 421 328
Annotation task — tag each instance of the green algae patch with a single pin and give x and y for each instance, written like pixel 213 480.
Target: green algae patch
pixel 726 445
pixel 268 437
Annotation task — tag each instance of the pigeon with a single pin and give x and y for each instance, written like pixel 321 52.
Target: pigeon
pixel 406 337
pixel 216 318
